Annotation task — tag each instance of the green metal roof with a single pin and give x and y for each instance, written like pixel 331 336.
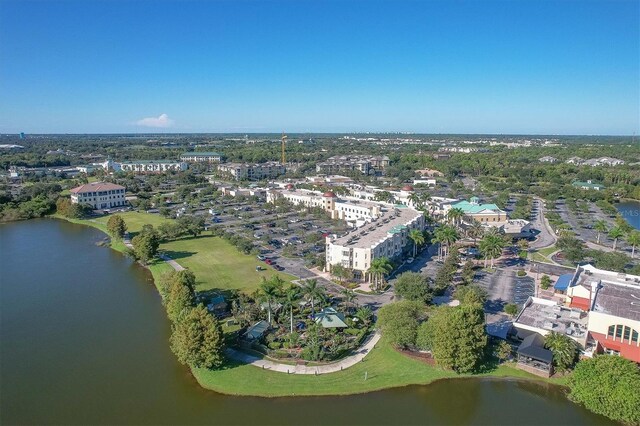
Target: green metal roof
pixel 330 318
pixel 470 208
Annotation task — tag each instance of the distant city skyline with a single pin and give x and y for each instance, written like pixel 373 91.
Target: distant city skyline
pixel 433 67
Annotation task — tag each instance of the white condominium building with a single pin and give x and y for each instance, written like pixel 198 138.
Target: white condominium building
pixel 258 171
pixel 384 236
pixel 154 166
pixel 201 157
pixel 99 195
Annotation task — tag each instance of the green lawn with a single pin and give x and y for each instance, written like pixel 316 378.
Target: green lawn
pixel 548 250
pixel 384 368
pixel 217 264
pixel 135 220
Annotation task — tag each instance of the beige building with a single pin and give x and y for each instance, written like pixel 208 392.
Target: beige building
pixel 99 195
pixel 258 171
pixel 365 164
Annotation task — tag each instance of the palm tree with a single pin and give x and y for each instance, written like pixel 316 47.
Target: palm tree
pixel 446 236
pixel 564 350
pixel 378 269
pixel 415 199
pixel 338 271
pixel 600 227
pixel 634 240
pixel 348 297
pixel 616 233
pixel 475 231
pixel 290 301
pixel 417 237
pixel 455 216
pixel 313 292
pixel 491 247
pixel 364 314
pixel 270 291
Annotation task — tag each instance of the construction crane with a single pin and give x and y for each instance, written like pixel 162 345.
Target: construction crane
pixel 284 139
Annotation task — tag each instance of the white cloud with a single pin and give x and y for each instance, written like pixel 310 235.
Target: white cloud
pixel 162 120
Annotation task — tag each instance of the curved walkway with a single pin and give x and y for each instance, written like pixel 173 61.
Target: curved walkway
pixel 333 367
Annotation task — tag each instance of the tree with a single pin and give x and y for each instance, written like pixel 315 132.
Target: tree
pixel 468 272
pixel 116 226
pixel 600 226
pixel 545 282
pixel 445 235
pixel 503 351
pixel 192 225
pixel 145 244
pixel 270 291
pixel 564 350
pixel 511 309
pixel 197 339
pixel 379 267
pixel 413 286
pixel 471 294
pixel 417 237
pixel 179 300
pixel 313 293
pixel 608 385
pixel 338 271
pixel 290 301
pixel 475 231
pixel 615 233
pixel 455 216
pixel 399 322
pixel 634 241
pixel 348 296
pixel 456 336
pixel 364 315
pixel 491 247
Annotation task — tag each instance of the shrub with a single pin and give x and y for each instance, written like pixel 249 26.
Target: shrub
pixel 521 273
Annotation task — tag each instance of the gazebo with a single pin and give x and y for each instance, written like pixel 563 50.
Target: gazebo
pixel 533 357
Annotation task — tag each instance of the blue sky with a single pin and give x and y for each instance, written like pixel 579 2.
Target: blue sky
pixel 545 67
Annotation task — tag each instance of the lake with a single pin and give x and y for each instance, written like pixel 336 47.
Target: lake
pixel 630 210
pixel 85 341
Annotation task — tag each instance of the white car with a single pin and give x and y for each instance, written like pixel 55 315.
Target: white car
pixel 410 260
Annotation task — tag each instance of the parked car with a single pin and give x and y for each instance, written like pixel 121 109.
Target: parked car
pixel 268 261
pixel 261 257
pixel 277 267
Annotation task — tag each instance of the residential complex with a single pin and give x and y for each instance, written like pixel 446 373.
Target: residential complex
pixel 258 171
pixel 365 164
pixel 594 162
pixel 588 185
pixel 158 166
pixel 99 195
pixel 384 236
pixel 201 157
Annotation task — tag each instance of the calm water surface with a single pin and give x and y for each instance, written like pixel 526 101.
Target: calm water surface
pixel 84 341
pixel 630 210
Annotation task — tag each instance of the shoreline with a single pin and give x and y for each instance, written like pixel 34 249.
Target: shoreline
pixel 238 375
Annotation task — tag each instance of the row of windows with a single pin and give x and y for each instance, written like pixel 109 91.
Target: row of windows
pixel 95 194
pixel 623 332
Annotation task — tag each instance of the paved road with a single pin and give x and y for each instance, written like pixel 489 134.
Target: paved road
pixel 546 237
pixel 333 367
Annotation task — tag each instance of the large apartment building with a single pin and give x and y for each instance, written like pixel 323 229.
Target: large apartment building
pixel 152 166
pixel 99 195
pixel 365 164
pixel 201 157
pixel 258 171
pixel 384 236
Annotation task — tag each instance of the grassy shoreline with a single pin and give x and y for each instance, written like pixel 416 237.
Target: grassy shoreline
pixel 383 368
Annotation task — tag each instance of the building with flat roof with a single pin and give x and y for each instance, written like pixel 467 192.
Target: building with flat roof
pixel 201 157
pixel 384 236
pixel 365 164
pixel 543 316
pixel 256 171
pixel 99 195
pixel 330 180
pixel 153 166
pixel 612 301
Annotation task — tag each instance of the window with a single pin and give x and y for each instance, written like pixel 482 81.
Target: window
pixel 627 333
pixel 612 330
pixel 634 336
pixel 618 331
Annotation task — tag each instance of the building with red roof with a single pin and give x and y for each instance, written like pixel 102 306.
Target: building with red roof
pixel 99 195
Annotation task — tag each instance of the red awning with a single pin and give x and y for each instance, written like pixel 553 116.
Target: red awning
pixel 580 303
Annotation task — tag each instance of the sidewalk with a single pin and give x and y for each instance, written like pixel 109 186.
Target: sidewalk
pixel 333 367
